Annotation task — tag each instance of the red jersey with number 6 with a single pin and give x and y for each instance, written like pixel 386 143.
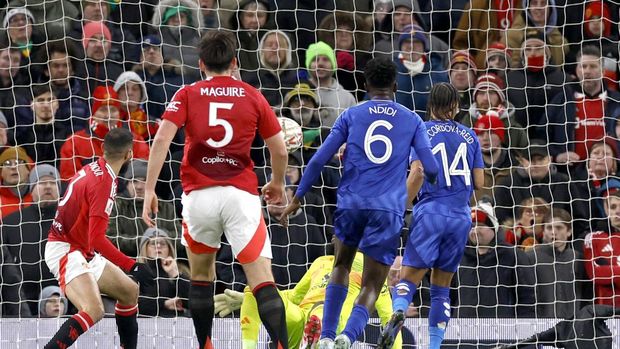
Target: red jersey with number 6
pixel 90 194
pixel 221 115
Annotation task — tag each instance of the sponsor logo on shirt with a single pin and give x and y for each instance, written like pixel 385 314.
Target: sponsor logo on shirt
pixel 219 158
pixel 108 207
pixel 56 224
pixel 173 106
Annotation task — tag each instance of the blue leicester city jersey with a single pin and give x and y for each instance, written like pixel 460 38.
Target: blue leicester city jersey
pixel 379 135
pixel 457 151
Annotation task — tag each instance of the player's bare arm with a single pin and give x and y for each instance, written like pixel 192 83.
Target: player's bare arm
pixel 159 149
pixel 478 174
pixel 293 206
pixel 414 181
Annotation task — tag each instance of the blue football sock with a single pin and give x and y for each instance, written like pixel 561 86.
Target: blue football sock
pixel 335 296
pixel 356 323
pixel 439 315
pixel 402 294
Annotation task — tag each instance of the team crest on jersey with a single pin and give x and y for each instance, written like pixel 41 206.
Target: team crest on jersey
pixel 173 106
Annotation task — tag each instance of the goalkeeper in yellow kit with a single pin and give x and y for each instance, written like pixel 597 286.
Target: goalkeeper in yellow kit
pixel 303 305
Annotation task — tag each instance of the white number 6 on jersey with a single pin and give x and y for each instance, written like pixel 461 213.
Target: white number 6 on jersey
pixel 370 138
pixel 214 121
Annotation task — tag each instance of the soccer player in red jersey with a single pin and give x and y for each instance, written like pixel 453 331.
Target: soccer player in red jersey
pixel 221 115
pixel 78 230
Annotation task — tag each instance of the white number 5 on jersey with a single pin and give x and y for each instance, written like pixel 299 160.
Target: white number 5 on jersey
pixel 370 138
pixel 459 157
pixel 215 121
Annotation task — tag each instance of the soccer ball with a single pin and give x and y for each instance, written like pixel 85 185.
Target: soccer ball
pixel 292 133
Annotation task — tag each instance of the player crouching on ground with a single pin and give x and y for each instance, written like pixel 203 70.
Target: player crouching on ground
pixel 77 232
pixel 304 305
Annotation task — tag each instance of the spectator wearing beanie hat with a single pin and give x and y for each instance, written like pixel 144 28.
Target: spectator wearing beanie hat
pixel 498 59
pixel 415 67
pixel 52 302
pixel 533 18
pixel 18 24
pixel 321 65
pixel 126 224
pixel 86 145
pixel 132 94
pixel 15 166
pixel 168 296
pixel 24 232
pixel 123 44
pixel 463 72
pixel 597 31
pixel 533 86
pixel 179 22
pixel 489 95
pixel 497 163
pixel 97 43
pixel 403 13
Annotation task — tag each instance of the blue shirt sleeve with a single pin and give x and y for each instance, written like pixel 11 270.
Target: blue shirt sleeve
pixel 413 156
pixel 336 138
pixel 422 149
pixel 478 161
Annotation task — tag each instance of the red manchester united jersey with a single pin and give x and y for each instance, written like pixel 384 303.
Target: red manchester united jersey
pixel 221 115
pixel 602 263
pixel 90 194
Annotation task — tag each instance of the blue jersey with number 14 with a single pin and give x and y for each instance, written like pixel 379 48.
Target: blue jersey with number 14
pixel 378 135
pixel 457 151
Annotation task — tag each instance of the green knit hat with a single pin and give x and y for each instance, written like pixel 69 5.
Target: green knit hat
pixel 320 48
pixel 171 11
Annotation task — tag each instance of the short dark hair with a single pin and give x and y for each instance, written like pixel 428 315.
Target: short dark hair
pixel 217 49
pixel 117 143
pixel 560 213
pixel 39 89
pixel 589 50
pixel 380 73
pixel 65 47
pixel 442 100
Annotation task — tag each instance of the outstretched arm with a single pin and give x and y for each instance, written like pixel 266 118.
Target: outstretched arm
pixel 159 150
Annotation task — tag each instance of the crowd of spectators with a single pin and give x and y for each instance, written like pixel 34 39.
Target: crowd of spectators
pixel 537 82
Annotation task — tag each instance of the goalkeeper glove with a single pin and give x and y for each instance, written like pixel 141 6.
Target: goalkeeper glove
pixel 227 302
pixel 143 274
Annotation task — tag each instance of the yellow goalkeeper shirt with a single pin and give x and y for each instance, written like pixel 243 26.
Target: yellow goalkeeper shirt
pixel 304 299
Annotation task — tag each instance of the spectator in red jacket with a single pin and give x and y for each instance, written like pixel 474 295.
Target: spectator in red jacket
pixel 132 94
pixel 86 145
pixel 15 166
pixel 602 253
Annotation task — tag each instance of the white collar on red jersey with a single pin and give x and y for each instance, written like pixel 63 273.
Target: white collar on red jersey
pixel 110 170
pixel 209 78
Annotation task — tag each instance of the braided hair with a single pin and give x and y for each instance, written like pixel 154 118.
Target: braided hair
pixel 442 102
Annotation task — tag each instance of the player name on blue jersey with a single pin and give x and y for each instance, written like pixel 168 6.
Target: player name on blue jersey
pixel 380 109
pixel 457 151
pixel 465 133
